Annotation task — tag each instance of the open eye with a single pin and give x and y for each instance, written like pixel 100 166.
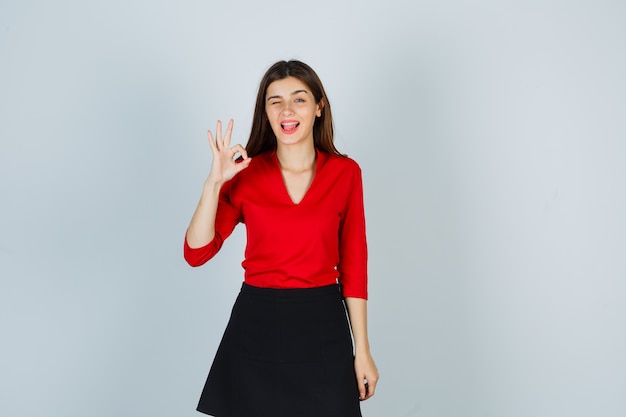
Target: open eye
pixel 299 100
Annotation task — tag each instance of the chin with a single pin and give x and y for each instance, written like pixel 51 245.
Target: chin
pixel 288 140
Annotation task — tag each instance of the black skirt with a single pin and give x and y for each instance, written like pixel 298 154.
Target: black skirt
pixel 285 353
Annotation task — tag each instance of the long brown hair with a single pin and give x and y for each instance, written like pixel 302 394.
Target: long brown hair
pixel 262 137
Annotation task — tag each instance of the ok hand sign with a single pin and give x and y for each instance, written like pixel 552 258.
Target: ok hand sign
pixel 224 165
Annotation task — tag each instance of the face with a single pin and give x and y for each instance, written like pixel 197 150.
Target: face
pixel 291 110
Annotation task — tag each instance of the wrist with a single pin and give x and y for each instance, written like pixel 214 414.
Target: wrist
pixel 212 185
pixel 361 348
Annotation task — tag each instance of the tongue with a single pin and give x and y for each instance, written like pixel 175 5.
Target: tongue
pixel 290 127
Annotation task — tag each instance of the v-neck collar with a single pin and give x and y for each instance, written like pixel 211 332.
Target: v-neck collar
pixel 320 157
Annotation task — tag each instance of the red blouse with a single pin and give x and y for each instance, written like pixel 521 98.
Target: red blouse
pixel 310 244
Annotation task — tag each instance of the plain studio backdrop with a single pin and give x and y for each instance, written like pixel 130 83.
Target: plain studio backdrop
pixel 491 135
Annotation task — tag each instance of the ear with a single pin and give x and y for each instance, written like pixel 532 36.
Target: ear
pixel 320 106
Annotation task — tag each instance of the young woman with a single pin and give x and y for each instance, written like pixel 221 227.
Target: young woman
pixel 288 348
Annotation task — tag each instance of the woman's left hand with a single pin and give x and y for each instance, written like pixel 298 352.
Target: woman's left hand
pixel 366 374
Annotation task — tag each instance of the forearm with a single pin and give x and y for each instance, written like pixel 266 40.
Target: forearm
pixel 357 313
pixel 364 366
pixel 201 228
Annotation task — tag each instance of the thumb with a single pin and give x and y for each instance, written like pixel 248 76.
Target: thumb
pixel 362 382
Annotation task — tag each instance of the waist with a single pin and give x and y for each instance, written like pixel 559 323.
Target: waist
pixel 332 289
pixel 282 279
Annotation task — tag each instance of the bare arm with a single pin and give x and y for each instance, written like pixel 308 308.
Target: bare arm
pixel 364 365
pixel 201 228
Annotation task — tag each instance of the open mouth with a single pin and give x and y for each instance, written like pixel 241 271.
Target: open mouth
pixel 288 127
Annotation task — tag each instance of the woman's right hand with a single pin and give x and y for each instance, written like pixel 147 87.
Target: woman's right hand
pixel 224 166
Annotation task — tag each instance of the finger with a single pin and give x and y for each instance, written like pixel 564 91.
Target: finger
pixel 241 150
pixel 212 142
pixel 370 388
pixel 218 136
pixel 229 132
pixel 243 160
pixel 240 166
pixel 362 390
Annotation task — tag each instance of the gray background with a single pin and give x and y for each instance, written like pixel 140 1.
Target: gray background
pixel 491 135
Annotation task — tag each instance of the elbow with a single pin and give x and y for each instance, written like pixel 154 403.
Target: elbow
pixel 199 256
pixel 194 262
pixel 196 257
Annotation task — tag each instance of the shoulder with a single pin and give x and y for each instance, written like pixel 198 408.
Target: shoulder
pixel 341 164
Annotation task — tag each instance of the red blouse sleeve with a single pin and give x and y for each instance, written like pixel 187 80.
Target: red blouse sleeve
pixel 352 242
pixel 226 219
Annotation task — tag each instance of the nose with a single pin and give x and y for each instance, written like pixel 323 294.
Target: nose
pixel 287 109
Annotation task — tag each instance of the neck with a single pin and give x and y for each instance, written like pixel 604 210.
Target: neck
pixel 296 158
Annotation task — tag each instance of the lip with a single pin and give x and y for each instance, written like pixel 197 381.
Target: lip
pixel 289 127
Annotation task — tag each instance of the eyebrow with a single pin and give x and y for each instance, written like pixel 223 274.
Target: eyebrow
pixel 293 94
